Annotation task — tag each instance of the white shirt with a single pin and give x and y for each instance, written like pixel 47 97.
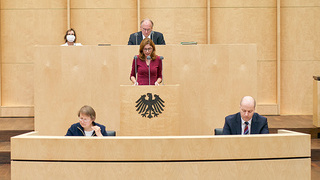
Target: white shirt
pixel 244 125
pixel 75 44
pixel 148 36
pixel 88 133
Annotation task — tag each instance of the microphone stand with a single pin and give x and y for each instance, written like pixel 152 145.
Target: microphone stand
pixel 149 59
pixel 136 34
pixel 161 58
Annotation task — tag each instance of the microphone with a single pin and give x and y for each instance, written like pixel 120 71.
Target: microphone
pixel 136 34
pixel 161 58
pixel 135 61
pixel 151 35
pixel 149 58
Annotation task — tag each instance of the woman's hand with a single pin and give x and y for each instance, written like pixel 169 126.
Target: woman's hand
pixel 97 130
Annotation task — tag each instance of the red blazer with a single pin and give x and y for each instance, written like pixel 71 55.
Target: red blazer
pixel 143 71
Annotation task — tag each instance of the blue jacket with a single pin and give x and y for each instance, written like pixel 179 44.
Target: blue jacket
pixel 156 37
pixel 232 126
pixel 77 130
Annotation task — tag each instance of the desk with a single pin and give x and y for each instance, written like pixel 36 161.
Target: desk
pixel 285 155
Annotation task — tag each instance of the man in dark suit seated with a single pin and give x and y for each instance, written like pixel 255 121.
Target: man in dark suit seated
pixel 146 27
pixel 246 121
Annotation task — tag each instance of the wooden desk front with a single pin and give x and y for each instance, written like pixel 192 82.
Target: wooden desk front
pixel 274 156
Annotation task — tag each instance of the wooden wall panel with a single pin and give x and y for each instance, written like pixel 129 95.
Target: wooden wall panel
pixel 23 25
pixel 179 21
pixel 105 4
pixel 243 3
pixel 109 21
pixel 94 26
pixel 250 22
pixel 17 84
pixel 30 4
pixel 300 41
pixel 267 84
pixel 300 36
pixel 297 86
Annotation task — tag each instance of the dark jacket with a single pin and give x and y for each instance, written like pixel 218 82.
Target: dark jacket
pixel 77 130
pixel 232 126
pixel 156 37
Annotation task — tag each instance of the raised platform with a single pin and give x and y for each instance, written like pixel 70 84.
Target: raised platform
pixel 14 126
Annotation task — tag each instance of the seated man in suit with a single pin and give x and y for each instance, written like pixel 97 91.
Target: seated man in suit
pixel 146 27
pixel 246 121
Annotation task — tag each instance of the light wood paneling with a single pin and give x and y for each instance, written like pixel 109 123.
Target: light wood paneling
pixel 94 26
pixel 166 123
pixel 173 4
pixel 297 86
pixel 246 25
pixel 300 33
pixel 109 21
pixel 243 3
pixel 160 148
pixel 22 29
pixel 179 21
pixel 105 4
pixel 300 3
pixel 17 84
pixel 273 169
pixel 266 82
pixel 30 4
pixel 316 103
pixel 213 78
pixel 275 156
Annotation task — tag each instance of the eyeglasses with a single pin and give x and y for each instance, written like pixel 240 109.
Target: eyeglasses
pixel 84 120
pixel 147 30
pixel 147 49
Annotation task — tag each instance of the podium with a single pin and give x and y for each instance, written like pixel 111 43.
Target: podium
pixel 316 101
pixel 149 110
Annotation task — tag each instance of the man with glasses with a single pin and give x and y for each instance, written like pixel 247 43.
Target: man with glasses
pixel 146 27
pixel 246 121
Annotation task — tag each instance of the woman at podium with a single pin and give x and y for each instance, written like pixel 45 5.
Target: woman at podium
pixel 147 66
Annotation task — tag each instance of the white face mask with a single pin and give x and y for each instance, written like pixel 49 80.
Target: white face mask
pixel 71 38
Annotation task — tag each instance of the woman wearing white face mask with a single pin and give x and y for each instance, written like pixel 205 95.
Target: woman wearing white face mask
pixel 70 38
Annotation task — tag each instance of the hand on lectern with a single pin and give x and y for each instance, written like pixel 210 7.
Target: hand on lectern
pixel 136 83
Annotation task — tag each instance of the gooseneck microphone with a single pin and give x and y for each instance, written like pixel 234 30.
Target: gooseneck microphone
pixel 149 59
pixel 151 35
pixel 135 61
pixel 161 58
pixel 136 35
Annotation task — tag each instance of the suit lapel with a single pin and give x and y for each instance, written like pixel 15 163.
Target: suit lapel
pixel 238 124
pixel 139 37
pixel 253 124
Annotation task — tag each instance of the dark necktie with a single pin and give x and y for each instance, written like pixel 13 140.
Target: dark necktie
pixel 246 129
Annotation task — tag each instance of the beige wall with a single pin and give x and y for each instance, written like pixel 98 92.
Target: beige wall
pixel 30 22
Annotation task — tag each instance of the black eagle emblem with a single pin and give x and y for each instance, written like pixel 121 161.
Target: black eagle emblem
pixel 150 107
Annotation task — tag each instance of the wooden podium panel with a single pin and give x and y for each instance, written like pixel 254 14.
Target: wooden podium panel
pixel 135 120
pixel 316 103
pixel 212 80
pixel 273 156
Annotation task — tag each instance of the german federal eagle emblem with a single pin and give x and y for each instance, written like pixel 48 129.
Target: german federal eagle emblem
pixel 149 107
